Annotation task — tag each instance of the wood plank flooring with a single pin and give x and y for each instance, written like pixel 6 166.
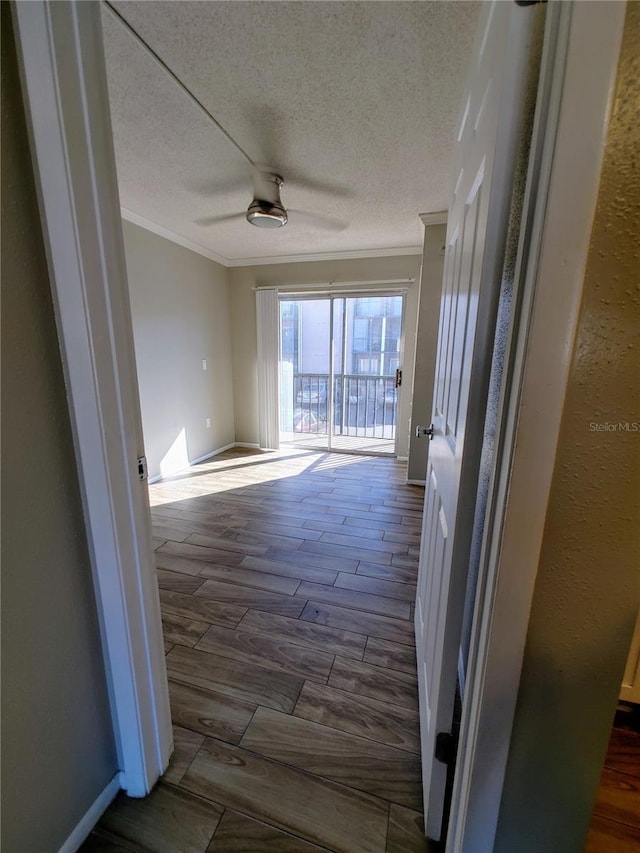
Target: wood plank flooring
pixel 615 825
pixel 287 583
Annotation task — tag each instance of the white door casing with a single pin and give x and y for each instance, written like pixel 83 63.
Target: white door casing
pixel 65 92
pixel 578 75
pixel 591 76
pixel 479 208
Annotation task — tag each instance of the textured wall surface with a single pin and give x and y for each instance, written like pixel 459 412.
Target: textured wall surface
pixel 586 595
pixel 243 319
pixel 57 747
pixel 180 309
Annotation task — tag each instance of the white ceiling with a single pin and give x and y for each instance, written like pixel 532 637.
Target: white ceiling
pixel 359 98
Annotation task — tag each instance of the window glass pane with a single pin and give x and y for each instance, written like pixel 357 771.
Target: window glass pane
pixel 289 333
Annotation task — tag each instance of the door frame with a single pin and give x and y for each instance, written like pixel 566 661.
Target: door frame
pixel 66 102
pixel 347 290
pixel 575 95
pixel 64 83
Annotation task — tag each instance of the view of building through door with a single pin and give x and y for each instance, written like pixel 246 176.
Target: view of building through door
pixel 340 371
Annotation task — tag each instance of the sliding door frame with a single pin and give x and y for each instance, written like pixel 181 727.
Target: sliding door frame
pixel 332 294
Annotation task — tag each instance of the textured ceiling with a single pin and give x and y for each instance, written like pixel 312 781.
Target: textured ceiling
pixel 358 98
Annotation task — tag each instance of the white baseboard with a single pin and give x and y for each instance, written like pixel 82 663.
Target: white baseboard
pixel 416 482
pixel 402 458
pixel 247 444
pixel 91 816
pixel 193 462
pixel 212 454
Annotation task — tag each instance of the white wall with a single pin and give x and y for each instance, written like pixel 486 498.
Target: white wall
pixel 243 318
pixel 181 315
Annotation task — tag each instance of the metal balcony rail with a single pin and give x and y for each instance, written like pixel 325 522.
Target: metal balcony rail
pixel 363 406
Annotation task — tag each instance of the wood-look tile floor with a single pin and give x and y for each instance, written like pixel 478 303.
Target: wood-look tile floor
pixel 615 824
pixel 287 583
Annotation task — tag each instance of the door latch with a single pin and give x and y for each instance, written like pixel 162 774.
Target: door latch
pixel 445 748
pixel 422 431
pixel 143 471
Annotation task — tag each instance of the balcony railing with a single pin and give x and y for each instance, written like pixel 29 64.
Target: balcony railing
pixel 362 405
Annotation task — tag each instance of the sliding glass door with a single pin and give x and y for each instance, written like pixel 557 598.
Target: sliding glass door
pixel 339 372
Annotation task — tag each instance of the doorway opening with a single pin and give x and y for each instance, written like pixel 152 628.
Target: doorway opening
pixel 340 371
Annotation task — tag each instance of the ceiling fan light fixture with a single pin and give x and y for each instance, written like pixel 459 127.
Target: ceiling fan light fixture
pixel 265 214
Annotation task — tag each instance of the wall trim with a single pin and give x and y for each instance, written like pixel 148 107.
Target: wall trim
pixel 327 256
pixel 159 477
pixel 91 816
pixel 415 482
pixel 213 453
pixel 185 242
pixel 437 218
pixel 168 234
pixel 192 462
pixel 64 86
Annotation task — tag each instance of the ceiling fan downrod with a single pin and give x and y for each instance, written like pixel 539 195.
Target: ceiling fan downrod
pixel 266 210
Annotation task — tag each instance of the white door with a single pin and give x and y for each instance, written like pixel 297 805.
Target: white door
pixel 479 207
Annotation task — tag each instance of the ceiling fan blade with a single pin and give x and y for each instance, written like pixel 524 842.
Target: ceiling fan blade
pixel 215 220
pixel 317 220
pixel 270 128
pixel 304 182
pixel 209 189
pixel 267 127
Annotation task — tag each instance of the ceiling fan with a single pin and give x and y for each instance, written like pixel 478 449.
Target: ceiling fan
pixel 267 210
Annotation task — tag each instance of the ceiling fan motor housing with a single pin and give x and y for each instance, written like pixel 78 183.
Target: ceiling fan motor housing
pixel 266 209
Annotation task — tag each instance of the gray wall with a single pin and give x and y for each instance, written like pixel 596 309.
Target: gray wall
pixel 57 747
pixel 181 315
pixel 586 595
pixel 426 345
pixel 243 317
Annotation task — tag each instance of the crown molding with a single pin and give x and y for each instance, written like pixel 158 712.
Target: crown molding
pixel 168 234
pixel 161 231
pixel 438 217
pixel 327 256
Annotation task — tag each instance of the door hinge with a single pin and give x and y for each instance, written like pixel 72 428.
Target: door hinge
pixel 421 431
pixel 445 747
pixel 143 471
pixel 398 378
